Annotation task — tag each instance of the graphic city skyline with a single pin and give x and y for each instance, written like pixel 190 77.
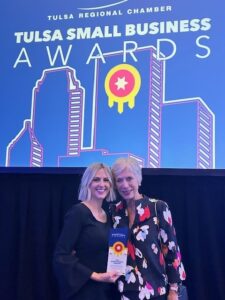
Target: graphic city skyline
pixel 54 135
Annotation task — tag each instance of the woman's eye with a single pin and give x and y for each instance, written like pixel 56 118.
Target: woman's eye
pixel 96 179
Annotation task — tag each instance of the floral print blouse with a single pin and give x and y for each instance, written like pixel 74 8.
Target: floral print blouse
pixel 154 257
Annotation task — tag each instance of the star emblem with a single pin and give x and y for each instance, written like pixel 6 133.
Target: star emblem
pixel 121 83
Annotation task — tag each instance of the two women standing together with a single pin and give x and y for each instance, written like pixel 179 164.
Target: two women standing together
pixel 154 260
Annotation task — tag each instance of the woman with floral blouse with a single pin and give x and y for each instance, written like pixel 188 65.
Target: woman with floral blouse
pixel 154 260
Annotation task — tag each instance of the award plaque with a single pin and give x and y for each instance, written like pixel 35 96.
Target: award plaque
pixel 117 255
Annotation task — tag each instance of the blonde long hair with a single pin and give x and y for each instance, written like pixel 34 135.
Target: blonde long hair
pixel 89 174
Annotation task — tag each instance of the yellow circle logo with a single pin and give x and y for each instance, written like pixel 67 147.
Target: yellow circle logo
pixel 118 248
pixel 122 84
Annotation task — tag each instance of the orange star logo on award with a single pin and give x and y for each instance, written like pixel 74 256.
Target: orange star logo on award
pixel 118 248
pixel 122 84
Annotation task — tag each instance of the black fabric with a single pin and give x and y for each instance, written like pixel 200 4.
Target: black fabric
pixel 135 296
pixel 146 240
pixel 32 210
pixel 82 249
pixel 183 293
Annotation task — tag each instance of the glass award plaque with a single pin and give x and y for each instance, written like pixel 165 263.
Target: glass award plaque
pixel 117 255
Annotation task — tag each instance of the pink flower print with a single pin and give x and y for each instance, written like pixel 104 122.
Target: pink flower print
pixel 182 272
pixel 119 206
pixel 144 264
pixel 161 259
pixel 163 235
pixel 149 287
pixel 154 248
pixel 164 250
pixel 155 220
pixel 167 216
pixel 146 292
pixel 176 263
pixel 131 250
pixel 161 290
pixel 179 255
pixel 144 213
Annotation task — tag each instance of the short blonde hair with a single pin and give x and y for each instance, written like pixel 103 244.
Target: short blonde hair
pixel 130 164
pixel 89 174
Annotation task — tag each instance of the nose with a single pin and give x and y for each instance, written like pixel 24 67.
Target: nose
pixel 104 182
pixel 124 184
pixel 101 182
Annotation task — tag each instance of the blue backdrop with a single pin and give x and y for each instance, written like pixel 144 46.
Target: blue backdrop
pixel 95 80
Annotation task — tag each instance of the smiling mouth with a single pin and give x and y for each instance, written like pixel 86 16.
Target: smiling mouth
pixel 126 192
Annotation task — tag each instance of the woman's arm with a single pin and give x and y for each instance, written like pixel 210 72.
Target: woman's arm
pixel 110 277
pixel 71 274
pixel 170 248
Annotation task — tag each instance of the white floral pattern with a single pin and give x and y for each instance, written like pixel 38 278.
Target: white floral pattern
pixel 167 216
pixel 152 246
pixel 142 232
pixel 129 275
pixel 146 292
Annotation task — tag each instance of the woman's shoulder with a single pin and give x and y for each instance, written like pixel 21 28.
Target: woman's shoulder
pixel 155 203
pixel 77 210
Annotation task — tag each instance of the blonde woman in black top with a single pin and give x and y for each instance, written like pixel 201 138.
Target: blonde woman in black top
pixel 80 257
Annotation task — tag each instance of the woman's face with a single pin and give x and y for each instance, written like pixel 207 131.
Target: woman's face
pixel 100 185
pixel 127 185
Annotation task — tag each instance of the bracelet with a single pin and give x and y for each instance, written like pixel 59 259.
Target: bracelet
pixel 174 288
